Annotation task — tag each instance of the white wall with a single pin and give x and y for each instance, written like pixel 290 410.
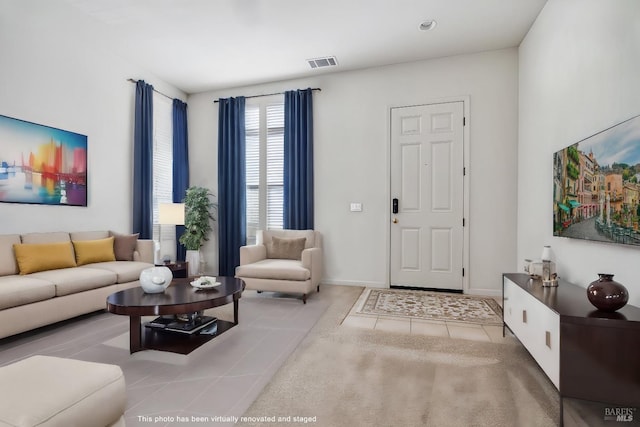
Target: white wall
pixel 578 75
pixel 54 76
pixel 351 158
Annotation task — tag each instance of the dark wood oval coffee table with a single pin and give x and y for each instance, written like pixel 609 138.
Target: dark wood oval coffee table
pixel 179 298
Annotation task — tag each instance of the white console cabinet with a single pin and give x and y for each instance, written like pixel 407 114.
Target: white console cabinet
pixel 587 354
pixel 536 326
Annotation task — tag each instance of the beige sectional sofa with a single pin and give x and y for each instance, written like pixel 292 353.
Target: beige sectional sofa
pixel 51 391
pixel 30 300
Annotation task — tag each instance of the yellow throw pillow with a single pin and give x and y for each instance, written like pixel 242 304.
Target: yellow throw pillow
pixel 88 251
pixel 34 257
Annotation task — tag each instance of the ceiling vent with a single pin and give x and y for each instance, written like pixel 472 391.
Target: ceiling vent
pixel 327 61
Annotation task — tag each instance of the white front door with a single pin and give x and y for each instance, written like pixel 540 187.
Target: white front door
pixel 427 194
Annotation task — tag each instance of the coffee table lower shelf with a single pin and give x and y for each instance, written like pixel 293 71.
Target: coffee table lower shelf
pixel 176 342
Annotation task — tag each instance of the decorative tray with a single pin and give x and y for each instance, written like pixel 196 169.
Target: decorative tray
pixel 205 282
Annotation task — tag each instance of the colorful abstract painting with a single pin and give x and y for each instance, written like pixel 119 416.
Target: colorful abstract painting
pixel 596 186
pixel 42 165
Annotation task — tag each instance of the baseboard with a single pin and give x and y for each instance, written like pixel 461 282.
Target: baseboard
pixel 355 283
pixel 484 292
pixel 416 288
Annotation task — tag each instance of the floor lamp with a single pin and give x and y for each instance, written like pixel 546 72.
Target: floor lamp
pixel 169 214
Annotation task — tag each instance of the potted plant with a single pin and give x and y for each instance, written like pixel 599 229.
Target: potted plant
pixel 198 222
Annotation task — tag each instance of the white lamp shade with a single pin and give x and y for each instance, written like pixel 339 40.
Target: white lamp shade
pixel 546 253
pixel 171 213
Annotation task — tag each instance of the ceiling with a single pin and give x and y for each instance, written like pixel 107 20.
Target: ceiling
pixel 200 45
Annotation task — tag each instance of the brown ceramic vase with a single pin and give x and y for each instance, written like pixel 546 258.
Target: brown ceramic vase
pixel 606 294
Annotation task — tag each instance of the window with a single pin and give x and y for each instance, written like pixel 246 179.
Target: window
pixel 163 169
pixel 264 127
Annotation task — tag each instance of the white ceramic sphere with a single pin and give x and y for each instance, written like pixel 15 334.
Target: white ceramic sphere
pixel 155 279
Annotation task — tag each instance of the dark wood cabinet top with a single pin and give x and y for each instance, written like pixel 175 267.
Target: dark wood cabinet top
pixel 571 303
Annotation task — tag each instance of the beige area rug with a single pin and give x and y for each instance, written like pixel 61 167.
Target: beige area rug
pixel 431 306
pixel 345 376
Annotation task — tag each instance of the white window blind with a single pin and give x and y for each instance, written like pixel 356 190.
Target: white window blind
pixel 252 159
pixel 275 165
pixel 162 165
pixel 264 151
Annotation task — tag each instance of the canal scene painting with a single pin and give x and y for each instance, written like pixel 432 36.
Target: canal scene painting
pixel 41 165
pixel 596 186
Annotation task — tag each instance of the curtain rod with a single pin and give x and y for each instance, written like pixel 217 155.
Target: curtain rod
pixel 270 94
pixel 156 91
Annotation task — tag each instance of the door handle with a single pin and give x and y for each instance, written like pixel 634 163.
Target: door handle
pixel 395 206
pixel 395 220
pixel 547 338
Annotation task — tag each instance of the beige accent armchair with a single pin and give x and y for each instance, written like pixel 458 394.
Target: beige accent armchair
pixel 262 272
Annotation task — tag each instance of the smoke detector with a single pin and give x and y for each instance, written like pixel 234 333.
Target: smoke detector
pixel 326 61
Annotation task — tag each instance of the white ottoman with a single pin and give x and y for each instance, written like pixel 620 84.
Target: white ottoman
pixel 51 391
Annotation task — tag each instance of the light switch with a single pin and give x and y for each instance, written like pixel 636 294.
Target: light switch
pixel 356 207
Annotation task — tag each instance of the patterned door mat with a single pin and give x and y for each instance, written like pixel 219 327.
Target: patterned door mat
pixel 431 306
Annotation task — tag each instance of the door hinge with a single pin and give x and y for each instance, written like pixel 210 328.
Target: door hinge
pixel 463 222
pixel 464 171
pixel 464 121
pixel 463 272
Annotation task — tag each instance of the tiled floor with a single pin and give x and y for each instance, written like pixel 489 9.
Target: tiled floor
pixel 226 377
pixel 223 377
pixel 459 330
